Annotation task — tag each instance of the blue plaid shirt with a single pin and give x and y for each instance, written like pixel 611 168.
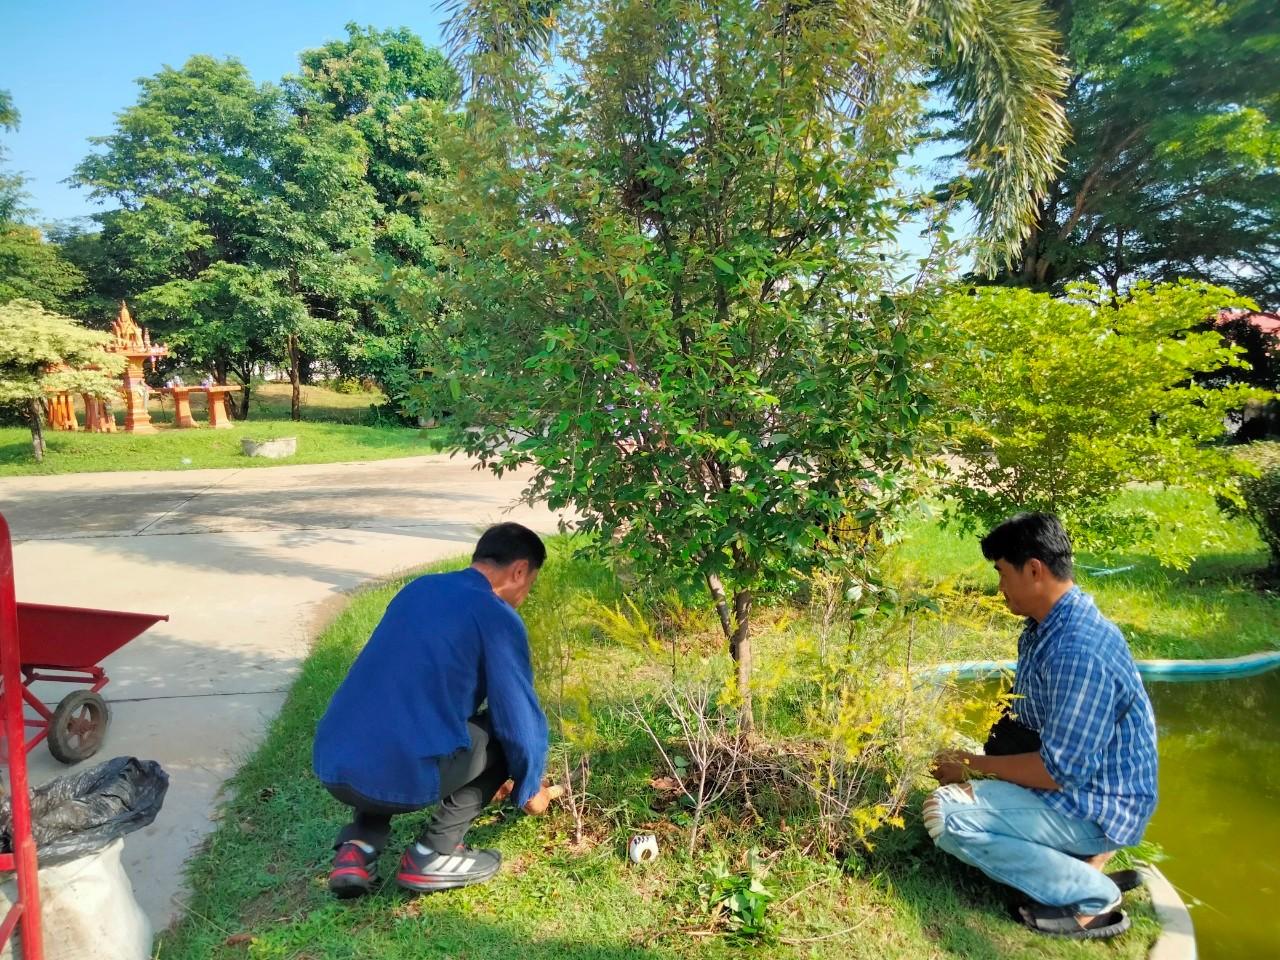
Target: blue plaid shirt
pixel 1080 690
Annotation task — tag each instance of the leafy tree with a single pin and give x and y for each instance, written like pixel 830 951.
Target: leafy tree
pixel 227 317
pixel 325 211
pixel 1260 496
pixel 42 352
pixel 668 273
pixel 190 167
pixel 1064 402
pixel 30 268
pixel 1261 351
pixel 1173 169
pixel 395 94
pixel 213 172
pixel 8 112
pixel 97 302
pixel 12 194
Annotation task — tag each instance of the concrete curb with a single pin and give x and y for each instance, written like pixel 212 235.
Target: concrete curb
pixel 1177 940
pixel 1246 666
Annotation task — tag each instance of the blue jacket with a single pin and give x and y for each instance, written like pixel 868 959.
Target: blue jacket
pixel 446 644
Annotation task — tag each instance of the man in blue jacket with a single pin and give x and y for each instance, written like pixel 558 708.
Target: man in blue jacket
pixel 409 726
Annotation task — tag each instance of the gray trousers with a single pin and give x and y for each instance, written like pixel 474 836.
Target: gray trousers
pixel 468 781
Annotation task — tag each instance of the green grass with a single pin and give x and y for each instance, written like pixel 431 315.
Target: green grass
pixel 259 882
pixel 272 401
pixel 1217 608
pixel 331 431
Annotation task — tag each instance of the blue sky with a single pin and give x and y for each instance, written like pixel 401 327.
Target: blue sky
pixel 71 65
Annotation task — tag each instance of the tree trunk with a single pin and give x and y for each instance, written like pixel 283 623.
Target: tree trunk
pixel 740 650
pixel 246 388
pixel 1031 256
pixel 295 362
pixel 722 605
pixel 37 429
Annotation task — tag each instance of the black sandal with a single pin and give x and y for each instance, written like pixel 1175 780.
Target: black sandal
pixel 1126 880
pixel 1062 922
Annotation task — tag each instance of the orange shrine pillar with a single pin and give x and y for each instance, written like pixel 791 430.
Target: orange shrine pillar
pixel 136 417
pixel 182 407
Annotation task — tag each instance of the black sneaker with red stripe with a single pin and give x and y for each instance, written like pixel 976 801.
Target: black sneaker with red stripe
pixel 353 872
pixel 425 870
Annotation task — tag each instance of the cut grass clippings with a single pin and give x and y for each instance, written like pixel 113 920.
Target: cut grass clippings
pixel 259 884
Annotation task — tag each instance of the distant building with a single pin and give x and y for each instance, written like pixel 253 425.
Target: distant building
pixel 1258 334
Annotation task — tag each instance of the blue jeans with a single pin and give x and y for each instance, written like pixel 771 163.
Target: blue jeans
pixel 1015 838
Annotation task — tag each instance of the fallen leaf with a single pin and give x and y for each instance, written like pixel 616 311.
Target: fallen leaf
pixel 236 939
pixel 665 784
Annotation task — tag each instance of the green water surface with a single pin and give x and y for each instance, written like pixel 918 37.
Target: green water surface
pixel 1218 818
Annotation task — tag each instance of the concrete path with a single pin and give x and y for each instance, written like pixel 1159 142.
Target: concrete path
pixel 248 564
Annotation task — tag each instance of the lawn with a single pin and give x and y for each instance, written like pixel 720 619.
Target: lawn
pixel 1217 608
pixel 335 427
pixel 259 883
pixel 271 401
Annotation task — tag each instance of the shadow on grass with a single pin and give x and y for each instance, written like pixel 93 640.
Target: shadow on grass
pixel 939 893
pixel 15 452
pixel 937 889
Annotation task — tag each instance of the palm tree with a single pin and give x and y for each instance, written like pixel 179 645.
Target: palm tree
pixel 994 63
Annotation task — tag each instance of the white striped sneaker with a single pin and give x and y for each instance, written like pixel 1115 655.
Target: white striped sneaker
pixel 424 869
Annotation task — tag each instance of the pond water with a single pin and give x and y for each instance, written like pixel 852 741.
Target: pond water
pixel 1218 819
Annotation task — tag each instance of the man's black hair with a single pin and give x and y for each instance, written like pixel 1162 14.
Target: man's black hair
pixel 505 543
pixel 1028 535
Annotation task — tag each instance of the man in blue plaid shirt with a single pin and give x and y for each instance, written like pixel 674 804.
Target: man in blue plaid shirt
pixel 1044 820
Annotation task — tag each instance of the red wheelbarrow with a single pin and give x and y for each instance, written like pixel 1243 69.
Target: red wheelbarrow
pixel 66 645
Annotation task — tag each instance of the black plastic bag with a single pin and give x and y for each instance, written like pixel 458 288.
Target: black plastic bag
pixel 76 815
pixel 1008 736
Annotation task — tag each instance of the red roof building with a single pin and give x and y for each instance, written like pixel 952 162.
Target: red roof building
pixel 1268 323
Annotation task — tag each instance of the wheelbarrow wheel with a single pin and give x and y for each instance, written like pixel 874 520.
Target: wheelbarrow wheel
pixel 79 726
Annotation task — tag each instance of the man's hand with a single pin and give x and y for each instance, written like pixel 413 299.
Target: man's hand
pixel 1024 769
pixel 504 791
pixel 951 766
pixel 539 802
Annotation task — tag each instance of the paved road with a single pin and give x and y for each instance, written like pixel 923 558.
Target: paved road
pixel 248 564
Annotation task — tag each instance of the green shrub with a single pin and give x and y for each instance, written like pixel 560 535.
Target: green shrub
pixel 1063 403
pixel 1262 495
pixel 385 413
pixel 346 385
